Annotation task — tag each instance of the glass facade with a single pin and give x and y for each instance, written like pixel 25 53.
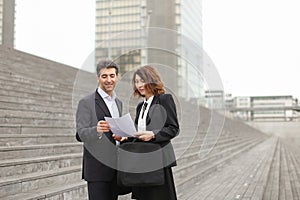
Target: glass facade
pixel 189 25
pixel 122 34
pixel 118 31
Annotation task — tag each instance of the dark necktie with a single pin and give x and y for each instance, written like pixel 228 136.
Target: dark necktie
pixel 144 108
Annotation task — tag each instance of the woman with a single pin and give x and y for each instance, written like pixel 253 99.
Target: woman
pixel 156 121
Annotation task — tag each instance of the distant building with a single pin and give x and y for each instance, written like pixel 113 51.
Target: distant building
pixel 229 101
pixel 266 108
pixel 7 25
pixel 1 20
pixel 214 99
pixel 122 34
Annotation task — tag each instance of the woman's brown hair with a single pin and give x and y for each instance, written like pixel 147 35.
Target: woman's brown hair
pixel 152 81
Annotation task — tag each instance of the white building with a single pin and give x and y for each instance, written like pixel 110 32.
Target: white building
pixel 265 108
pixel 215 99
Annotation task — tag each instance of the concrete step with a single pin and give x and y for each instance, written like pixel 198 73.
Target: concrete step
pixel 35 115
pixel 45 104
pixel 198 144
pixel 35 129
pixel 7 75
pixel 34 181
pixel 34 87
pixel 185 146
pixel 22 166
pixel 194 153
pixel 194 161
pixel 19 92
pixel 184 142
pixel 35 97
pixel 33 139
pixel 227 144
pixel 37 121
pixel 30 151
pixel 17 104
pixel 72 191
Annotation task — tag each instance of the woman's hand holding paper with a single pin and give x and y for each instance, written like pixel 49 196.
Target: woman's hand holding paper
pixel 145 135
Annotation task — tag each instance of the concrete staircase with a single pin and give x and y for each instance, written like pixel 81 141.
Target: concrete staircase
pixel 217 159
pixel 41 158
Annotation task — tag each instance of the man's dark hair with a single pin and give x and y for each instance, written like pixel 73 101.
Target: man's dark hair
pixel 106 64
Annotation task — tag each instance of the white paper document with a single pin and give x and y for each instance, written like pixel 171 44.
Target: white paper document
pixel 122 126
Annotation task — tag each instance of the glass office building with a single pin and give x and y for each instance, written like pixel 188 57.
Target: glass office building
pixel 1 21
pixel 117 31
pixel 190 64
pixel 174 39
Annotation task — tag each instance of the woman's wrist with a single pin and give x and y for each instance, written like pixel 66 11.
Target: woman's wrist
pixel 153 136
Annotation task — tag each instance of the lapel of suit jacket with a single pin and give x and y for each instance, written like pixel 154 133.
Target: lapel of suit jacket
pixel 119 105
pixel 101 105
pixel 139 108
pixel 154 101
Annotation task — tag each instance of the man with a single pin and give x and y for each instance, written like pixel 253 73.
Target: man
pixel 99 156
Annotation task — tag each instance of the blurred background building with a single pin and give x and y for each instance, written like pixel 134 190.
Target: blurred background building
pixel 7 23
pixel 266 108
pixel 214 99
pixel 169 32
pixel 1 21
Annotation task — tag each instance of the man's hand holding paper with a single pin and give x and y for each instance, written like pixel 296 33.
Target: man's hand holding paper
pixel 122 126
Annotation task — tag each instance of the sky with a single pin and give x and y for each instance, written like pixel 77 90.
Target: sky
pixel 254 44
pixel 59 30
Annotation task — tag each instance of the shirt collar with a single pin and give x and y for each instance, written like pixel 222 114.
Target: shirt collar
pixel 104 95
pixel 149 100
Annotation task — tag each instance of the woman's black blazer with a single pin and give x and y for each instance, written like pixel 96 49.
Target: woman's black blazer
pixel 162 120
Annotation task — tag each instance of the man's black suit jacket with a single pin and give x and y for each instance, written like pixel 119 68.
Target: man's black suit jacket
pixel 99 155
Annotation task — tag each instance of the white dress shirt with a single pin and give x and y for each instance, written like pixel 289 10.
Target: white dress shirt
pixel 142 121
pixel 110 103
